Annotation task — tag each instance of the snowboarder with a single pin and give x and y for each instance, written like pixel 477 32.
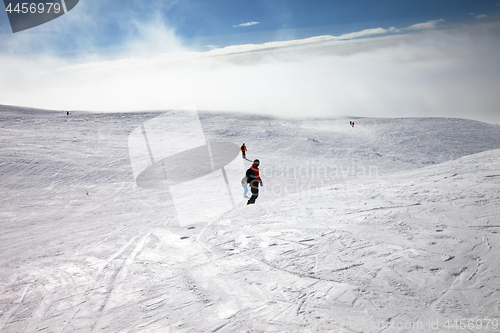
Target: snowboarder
pixel 244 185
pixel 254 180
pixel 243 151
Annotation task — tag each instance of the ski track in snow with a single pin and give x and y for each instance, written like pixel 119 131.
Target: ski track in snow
pixel 355 229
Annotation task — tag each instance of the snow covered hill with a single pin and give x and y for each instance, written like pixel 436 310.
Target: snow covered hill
pixel 388 226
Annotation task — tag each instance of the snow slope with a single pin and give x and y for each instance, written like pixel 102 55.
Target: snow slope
pixel 389 224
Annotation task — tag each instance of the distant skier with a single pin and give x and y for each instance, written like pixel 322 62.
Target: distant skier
pixel 254 180
pixel 67 113
pixel 245 188
pixel 352 124
pixel 243 151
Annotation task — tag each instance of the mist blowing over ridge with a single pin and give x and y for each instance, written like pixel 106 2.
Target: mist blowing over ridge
pixel 423 69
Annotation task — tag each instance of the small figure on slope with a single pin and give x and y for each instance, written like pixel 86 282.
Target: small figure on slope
pixel 243 151
pixel 352 124
pixel 254 180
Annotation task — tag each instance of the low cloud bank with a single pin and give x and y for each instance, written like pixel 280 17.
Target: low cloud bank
pixel 448 73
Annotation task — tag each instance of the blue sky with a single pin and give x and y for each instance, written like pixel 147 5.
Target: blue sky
pixel 394 58
pixel 103 25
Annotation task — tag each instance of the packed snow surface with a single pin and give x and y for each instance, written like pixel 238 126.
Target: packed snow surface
pixel 388 226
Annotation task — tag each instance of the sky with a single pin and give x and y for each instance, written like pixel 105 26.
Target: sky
pixel 368 58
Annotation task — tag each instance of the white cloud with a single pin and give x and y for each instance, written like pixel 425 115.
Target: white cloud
pixel 426 25
pixel 481 16
pixel 434 73
pixel 301 44
pixel 245 24
pixel 368 32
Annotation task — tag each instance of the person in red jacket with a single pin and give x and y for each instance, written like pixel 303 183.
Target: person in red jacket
pixel 243 151
pixel 254 180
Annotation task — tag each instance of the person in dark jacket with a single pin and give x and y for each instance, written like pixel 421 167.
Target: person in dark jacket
pixel 254 180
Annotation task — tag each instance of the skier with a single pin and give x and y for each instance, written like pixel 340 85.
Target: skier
pixel 353 124
pixel 243 151
pixel 244 185
pixel 254 180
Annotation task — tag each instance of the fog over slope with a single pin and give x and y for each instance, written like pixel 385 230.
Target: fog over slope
pixel 449 72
